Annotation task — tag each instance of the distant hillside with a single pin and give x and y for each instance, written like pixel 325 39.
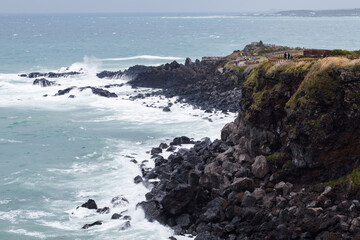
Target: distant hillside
pixel 321 13
pixel 311 13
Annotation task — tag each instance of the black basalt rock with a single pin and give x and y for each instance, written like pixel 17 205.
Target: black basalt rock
pixel 90 204
pixel 86 226
pixel 43 82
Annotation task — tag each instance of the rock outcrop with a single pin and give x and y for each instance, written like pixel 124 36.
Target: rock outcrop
pixel 200 84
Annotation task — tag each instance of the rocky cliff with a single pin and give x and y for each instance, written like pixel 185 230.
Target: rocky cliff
pixel 306 111
pixel 268 177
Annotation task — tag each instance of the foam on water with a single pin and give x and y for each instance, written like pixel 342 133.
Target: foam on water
pixel 23 232
pixel 101 173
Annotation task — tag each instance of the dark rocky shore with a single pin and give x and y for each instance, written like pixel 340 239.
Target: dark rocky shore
pixel 286 168
pixel 200 84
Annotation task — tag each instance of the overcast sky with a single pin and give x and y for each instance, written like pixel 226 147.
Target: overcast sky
pixel 167 6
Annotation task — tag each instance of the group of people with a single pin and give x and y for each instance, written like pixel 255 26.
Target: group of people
pixel 287 56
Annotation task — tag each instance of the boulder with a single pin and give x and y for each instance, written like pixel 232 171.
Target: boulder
pixel 213 210
pixel 260 167
pixel 116 216
pixel 176 200
pixel 283 188
pixel 138 179
pixel 163 146
pixel 151 209
pixel 242 184
pixel 156 151
pixel 90 204
pixel 258 193
pixel 43 82
pixel 248 200
pixel 180 140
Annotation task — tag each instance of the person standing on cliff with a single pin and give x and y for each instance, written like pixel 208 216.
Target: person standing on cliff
pixel 289 56
pixel 285 54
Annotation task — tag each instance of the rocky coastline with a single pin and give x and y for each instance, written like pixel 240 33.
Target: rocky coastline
pixel 286 168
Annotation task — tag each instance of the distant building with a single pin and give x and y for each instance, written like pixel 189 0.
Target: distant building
pixel 317 53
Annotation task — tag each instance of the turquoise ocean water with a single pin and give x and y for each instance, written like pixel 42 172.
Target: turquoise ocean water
pixel 56 152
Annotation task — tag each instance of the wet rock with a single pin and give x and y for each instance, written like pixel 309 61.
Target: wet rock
pixel 43 82
pixel 125 226
pixel 156 151
pixel 64 91
pixel 116 216
pixel 171 149
pixel 260 167
pixel 100 92
pixel 163 146
pixel 90 204
pixel 180 140
pixel 166 109
pixel 86 226
pixel 151 209
pixel 138 179
pixel 104 210
pixel 119 201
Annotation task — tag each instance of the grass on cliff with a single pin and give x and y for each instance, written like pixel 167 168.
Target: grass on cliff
pixel 340 52
pixel 354 177
pixel 318 82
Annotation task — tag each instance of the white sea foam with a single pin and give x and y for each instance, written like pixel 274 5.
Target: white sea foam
pixel 28 233
pixel 106 173
pixel 21 215
pixel 2 140
pixel 4 202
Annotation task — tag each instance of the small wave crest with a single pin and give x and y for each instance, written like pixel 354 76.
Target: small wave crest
pixel 200 17
pixel 27 233
pixel 90 65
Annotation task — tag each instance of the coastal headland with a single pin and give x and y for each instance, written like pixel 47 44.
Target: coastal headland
pixel 286 168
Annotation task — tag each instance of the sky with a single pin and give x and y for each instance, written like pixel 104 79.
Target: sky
pixel 168 6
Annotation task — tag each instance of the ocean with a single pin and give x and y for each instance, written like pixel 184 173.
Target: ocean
pixel 57 152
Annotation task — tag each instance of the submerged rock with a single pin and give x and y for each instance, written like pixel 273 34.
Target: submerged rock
pixel 125 226
pixel 86 226
pixel 104 210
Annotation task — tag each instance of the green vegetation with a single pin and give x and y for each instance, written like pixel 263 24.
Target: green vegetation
pixel 318 83
pixel 340 52
pixel 354 176
pixel 275 156
pixel 257 98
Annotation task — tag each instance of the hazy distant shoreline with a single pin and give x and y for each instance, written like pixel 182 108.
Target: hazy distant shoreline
pixel 310 13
